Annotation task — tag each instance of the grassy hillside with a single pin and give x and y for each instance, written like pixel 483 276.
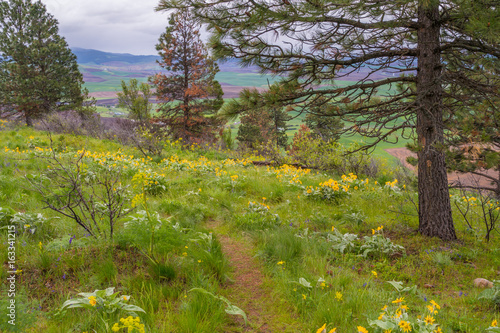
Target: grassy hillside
pixel 206 237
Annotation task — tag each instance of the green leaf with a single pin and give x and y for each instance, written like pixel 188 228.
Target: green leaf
pixel 234 310
pixel 304 282
pixel 132 308
pixel 398 285
pixel 385 325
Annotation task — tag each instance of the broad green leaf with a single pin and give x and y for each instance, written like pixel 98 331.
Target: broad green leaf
pixel 382 324
pixel 234 310
pixel 304 282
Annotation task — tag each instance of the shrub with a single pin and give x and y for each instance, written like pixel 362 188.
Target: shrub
pixel 313 152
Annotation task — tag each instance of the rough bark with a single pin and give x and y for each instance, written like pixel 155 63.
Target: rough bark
pixel 434 200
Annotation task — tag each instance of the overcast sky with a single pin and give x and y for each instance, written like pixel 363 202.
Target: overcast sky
pixel 120 26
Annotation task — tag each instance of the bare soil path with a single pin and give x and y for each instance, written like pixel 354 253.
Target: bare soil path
pixel 251 290
pixel 453 177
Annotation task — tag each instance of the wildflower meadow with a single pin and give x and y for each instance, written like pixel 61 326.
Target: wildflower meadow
pixel 100 238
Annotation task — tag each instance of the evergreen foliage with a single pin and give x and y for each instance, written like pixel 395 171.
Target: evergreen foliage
pixel 39 73
pixel 189 93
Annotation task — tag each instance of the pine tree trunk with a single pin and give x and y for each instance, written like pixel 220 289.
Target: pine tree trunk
pixel 29 120
pixel 435 219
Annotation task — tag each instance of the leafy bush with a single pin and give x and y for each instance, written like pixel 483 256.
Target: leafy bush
pixel 314 152
pixel 374 245
pixel 105 303
pixel 379 245
pixel 28 222
pixel 396 318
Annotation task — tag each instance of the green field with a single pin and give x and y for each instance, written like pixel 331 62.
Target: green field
pixel 113 83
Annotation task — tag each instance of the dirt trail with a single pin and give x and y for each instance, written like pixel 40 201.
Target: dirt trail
pixel 453 177
pixel 248 290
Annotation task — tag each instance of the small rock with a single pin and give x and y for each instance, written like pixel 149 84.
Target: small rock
pixel 483 283
pixel 428 285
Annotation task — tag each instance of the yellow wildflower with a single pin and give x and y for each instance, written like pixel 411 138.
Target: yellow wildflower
pixel 405 326
pixel 429 320
pixel 399 300
pixel 494 323
pixel 338 295
pixel 321 329
pixel 435 304
pixel 374 273
pixel 92 300
pixel 361 329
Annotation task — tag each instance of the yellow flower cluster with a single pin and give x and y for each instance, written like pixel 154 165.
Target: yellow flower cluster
pixel 333 189
pixel 15 151
pixel 405 326
pixel 349 178
pixel 202 164
pixel 392 185
pixel 377 230
pixel 288 173
pixel 130 323
pixel 92 300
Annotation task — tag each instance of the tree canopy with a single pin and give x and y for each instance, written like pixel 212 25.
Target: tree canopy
pixel 135 97
pixel 189 93
pixel 436 52
pixel 39 73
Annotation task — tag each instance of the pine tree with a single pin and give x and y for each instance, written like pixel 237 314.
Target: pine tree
pixel 39 73
pixel 323 122
pixel 189 92
pixel 437 46
pixel 262 121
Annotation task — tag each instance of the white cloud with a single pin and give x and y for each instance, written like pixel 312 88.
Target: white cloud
pixel 121 26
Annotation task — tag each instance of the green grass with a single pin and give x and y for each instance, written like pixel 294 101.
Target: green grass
pixel 311 281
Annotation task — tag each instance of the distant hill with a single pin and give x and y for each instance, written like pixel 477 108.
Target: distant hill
pixel 88 56
pixel 97 59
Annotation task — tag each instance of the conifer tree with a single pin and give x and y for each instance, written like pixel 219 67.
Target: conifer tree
pixel 189 93
pixel 437 51
pixel 39 73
